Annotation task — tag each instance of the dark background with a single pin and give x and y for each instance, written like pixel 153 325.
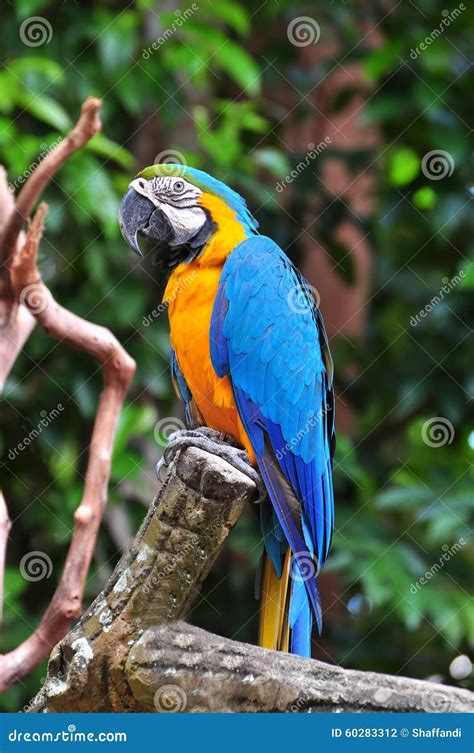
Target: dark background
pixel 378 228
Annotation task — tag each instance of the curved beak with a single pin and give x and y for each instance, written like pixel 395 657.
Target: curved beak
pixel 139 216
pixel 135 211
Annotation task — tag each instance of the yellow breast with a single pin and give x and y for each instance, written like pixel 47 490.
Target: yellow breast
pixel 190 295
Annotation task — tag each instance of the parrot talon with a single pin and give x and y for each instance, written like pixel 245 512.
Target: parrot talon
pixel 216 443
pixel 160 469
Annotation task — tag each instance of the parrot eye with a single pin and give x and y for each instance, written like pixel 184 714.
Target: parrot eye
pixel 141 183
pixel 179 186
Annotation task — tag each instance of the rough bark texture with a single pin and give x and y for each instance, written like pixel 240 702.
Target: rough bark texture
pixel 127 653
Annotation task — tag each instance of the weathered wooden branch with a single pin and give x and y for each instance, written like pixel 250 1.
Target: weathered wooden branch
pixel 24 300
pixel 155 582
pixel 5 525
pixel 127 653
pixel 86 127
pixel 16 322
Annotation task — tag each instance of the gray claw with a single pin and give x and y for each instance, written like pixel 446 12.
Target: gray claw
pixel 160 469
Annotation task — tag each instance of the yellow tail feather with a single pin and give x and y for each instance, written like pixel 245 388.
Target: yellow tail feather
pixel 274 600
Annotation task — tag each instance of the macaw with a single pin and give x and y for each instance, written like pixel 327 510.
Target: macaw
pixel 250 359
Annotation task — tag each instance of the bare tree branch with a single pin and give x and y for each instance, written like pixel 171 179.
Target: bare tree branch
pixel 87 126
pixel 7 205
pixel 13 336
pixel 5 525
pixel 25 300
pixel 128 654
pixel 181 666
pixel 16 322
pixel 118 369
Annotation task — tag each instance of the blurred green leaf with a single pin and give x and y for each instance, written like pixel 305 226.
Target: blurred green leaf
pixel 116 43
pixel 404 166
pixel 63 463
pixel 14 584
pixel 45 109
pixel 468 275
pixel 380 60
pixel 239 65
pixel 424 198
pixel 272 160
pixel 233 14
pixel 105 147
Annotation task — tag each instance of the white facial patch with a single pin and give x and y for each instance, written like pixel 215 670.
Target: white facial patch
pixel 177 199
pixel 186 222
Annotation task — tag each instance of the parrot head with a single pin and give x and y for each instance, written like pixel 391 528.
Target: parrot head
pixel 180 209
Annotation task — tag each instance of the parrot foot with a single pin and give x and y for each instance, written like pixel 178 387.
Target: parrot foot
pixel 216 443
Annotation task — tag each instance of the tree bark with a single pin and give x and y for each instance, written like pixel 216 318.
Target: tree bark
pixel 128 653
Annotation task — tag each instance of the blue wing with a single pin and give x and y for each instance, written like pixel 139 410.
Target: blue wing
pixel 182 390
pixel 268 336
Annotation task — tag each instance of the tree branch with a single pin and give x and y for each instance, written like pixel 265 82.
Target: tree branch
pixel 87 126
pixel 118 369
pixel 5 525
pixel 16 322
pixel 24 299
pixel 128 654
pixel 213 674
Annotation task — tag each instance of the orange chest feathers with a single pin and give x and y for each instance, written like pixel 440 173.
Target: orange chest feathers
pixel 190 294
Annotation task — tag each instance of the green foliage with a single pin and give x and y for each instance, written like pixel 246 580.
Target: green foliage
pixel 404 167
pixel 211 91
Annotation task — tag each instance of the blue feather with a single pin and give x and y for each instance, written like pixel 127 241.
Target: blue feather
pixel 181 387
pixel 281 373
pixel 234 200
pixel 300 641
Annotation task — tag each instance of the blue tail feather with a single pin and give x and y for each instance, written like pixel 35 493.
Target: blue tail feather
pixel 300 636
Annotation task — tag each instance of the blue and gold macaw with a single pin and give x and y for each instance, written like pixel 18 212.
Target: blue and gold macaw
pixel 250 359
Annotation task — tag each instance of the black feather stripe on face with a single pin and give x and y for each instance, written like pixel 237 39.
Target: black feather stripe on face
pixel 167 257
pixel 175 191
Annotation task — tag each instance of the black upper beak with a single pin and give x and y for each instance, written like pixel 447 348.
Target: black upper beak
pixel 139 216
pixel 135 211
